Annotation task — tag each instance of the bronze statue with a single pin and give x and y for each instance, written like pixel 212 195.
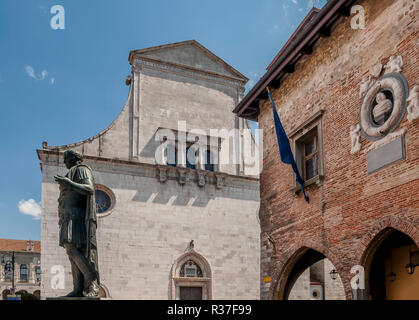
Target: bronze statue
pixel 77 222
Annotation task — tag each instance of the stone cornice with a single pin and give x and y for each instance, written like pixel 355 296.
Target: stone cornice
pixel 219 179
pixel 193 43
pixel 185 71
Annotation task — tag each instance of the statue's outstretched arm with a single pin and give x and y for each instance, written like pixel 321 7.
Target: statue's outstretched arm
pixel 85 188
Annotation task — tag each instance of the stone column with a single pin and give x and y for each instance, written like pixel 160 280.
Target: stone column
pixel 202 152
pixel 215 157
pixel 31 273
pixel 135 113
pixel 181 152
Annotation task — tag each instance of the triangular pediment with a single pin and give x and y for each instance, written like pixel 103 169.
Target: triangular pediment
pixel 189 54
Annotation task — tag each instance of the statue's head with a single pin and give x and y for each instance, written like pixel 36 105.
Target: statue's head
pixel 71 158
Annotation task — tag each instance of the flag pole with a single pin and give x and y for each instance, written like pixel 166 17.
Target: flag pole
pixel 284 146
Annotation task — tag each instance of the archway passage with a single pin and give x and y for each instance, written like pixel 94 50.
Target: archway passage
pixel 390 262
pixel 311 276
pixel 309 258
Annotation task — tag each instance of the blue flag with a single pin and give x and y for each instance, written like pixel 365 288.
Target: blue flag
pixel 284 146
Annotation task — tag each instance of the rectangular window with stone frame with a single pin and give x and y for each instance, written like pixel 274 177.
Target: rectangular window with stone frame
pixel 307 143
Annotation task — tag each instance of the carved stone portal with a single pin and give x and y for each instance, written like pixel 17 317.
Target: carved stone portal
pixel 384 106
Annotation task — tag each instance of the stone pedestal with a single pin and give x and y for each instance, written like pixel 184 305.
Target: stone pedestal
pixel 72 298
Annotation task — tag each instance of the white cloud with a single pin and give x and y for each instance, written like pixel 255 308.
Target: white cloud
pixel 300 9
pixel 31 73
pixel 294 1
pixel 30 207
pixel 310 4
pixel 52 81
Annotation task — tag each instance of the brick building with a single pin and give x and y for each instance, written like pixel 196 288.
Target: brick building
pixel 26 271
pixel 347 96
pixel 151 205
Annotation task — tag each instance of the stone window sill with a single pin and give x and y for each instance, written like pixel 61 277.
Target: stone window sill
pixel 318 180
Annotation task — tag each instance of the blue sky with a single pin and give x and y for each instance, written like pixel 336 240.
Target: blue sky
pixel 48 77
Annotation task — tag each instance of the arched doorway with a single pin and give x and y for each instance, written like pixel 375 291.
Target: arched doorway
pixel 309 275
pixel 389 263
pixel 191 277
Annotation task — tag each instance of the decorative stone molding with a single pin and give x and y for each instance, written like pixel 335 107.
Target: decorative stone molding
pixel 134 168
pixel 219 181
pixel 201 179
pixel 182 176
pixel 376 69
pixel 366 81
pixel 355 133
pixel 197 74
pixel 395 64
pixel 384 106
pixel 413 104
pixel 162 174
pixel 390 137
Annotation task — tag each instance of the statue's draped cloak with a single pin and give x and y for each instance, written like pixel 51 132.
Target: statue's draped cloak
pixel 77 213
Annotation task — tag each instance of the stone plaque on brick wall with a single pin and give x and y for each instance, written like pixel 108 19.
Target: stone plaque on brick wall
pixel 386 155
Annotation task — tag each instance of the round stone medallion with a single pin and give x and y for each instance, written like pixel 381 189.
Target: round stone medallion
pixel 384 106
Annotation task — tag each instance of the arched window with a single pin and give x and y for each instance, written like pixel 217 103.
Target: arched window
pixel 23 272
pixel 209 165
pixel 38 274
pixel 171 155
pixel 8 271
pixel 105 200
pixel 191 157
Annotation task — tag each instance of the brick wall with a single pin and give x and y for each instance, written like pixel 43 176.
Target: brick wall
pixel 350 207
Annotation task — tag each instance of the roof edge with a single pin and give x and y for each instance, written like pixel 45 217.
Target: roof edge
pixel 209 53
pixel 290 51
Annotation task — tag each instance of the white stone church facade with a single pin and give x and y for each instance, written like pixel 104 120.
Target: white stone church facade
pixel 149 209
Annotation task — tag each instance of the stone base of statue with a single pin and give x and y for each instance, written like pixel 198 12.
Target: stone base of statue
pixel 72 298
